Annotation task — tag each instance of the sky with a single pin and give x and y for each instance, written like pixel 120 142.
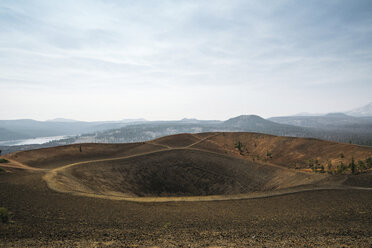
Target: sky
pixel 166 60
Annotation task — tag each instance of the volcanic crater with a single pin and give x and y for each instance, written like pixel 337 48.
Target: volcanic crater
pixel 187 165
pixel 179 172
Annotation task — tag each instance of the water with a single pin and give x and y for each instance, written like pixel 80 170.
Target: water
pixel 39 140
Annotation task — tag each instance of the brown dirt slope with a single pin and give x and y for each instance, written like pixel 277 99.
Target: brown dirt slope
pixel 188 165
pixel 181 172
pixel 285 151
pixel 360 180
pixel 54 157
pixel 45 218
pixel 178 140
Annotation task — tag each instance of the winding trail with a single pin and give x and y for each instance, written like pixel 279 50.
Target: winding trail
pixel 51 178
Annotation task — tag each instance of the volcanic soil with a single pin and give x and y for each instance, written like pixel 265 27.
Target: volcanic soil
pixel 188 190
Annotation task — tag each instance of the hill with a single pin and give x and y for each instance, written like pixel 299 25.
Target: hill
pixel 6 134
pixel 151 130
pixel 357 133
pixel 193 165
pixel 254 123
pixel 333 127
pixel 148 193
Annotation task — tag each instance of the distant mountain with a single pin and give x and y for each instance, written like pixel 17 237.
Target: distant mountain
pixel 255 123
pixel 62 120
pixel 189 120
pixel 334 126
pixel 6 134
pixel 152 130
pixel 26 128
pixel 329 121
pixel 120 121
pixel 306 114
pixel 337 115
pixel 252 121
pixel 196 121
pixel 133 120
pixel 362 111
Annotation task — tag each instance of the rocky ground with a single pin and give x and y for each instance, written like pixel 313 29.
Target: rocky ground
pixel 339 216
pixel 44 218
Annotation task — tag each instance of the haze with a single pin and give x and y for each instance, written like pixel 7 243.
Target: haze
pixel 107 60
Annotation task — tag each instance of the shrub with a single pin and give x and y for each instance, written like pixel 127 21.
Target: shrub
pixel 341 168
pixel 369 162
pixel 4 215
pixel 268 154
pixel 310 163
pixel 239 146
pixel 3 160
pixel 352 165
pixel 342 155
pixel 361 165
pixel 329 166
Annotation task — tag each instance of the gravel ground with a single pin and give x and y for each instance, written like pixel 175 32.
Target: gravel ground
pixel 44 218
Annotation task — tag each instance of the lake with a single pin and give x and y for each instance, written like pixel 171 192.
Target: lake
pixel 39 140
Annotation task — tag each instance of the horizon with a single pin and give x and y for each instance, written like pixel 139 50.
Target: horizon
pixel 166 60
pixel 302 114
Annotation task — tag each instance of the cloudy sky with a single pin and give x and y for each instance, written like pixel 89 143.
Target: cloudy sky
pixel 109 60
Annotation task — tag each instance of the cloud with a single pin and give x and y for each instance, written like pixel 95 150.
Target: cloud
pixel 250 50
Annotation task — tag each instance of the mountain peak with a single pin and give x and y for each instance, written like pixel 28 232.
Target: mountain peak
pixel 62 120
pixel 363 111
pixel 247 117
pixel 245 120
pixel 338 115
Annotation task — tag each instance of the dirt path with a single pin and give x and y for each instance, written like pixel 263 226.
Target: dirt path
pixel 162 145
pixel 51 177
pixel 255 195
pixel 201 140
